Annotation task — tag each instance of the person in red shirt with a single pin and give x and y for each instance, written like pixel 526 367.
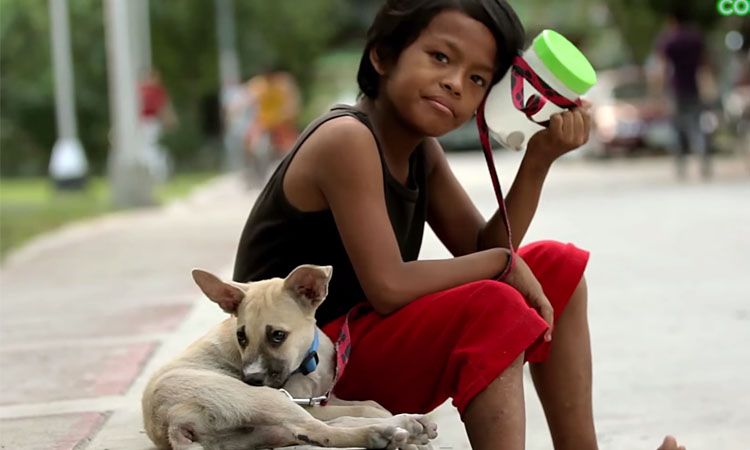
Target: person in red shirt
pixel 156 114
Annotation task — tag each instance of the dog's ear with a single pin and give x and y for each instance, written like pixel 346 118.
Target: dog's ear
pixel 227 296
pixel 309 284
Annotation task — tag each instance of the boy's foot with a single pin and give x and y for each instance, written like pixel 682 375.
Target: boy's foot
pixel 670 443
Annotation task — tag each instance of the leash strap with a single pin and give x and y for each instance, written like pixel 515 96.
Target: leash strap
pixel 344 341
pixel 484 137
pixel 521 72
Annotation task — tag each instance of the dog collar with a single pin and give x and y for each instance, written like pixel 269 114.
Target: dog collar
pixel 310 363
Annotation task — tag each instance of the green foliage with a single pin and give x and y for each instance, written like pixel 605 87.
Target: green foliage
pixel 27 87
pixel 290 33
pixel 640 21
pixel 270 33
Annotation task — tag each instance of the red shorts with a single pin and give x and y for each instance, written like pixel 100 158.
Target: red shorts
pixel 453 343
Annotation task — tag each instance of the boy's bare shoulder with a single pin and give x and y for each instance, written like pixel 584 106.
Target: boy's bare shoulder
pixel 433 153
pixel 343 131
pixel 333 143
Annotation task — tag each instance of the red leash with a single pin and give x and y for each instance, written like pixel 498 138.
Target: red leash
pixel 484 137
pixel 520 72
pixel 344 341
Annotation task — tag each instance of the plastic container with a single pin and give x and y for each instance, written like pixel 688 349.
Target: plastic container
pixel 555 61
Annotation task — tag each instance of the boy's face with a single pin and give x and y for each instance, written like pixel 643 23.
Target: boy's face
pixel 439 80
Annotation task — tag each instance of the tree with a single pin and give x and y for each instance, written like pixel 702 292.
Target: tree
pixel 641 20
pixel 290 33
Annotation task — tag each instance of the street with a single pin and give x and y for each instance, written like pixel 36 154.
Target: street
pixel 90 311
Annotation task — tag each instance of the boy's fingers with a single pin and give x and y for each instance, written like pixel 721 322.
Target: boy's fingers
pixel 548 313
pixel 580 126
pixel 555 124
pixel 549 316
pixel 566 125
pixel 587 122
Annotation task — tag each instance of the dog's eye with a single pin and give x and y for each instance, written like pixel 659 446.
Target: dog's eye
pixel 242 337
pixel 277 337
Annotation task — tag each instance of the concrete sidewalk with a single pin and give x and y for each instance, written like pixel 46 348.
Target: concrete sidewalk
pixel 89 312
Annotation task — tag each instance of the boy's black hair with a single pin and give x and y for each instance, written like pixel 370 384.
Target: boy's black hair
pixel 399 23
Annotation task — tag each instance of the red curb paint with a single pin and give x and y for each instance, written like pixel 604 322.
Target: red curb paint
pixel 118 373
pixel 84 427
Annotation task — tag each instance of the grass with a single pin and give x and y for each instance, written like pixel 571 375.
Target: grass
pixel 31 206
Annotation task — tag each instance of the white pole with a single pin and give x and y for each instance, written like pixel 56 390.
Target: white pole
pixel 68 165
pixel 229 75
pixel 146 59
pixel 130 177
pixel 141 36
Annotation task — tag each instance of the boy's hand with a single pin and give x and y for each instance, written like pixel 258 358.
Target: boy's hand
pixel 524 281
pixel 566 131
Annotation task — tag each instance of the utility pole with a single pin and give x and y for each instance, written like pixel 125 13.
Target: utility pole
pixel 229 74
pixel 141 36
pixel 68 166
pixel 130 177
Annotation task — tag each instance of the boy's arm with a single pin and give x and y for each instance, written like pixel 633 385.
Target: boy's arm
pixel 566 131
pixel 350 179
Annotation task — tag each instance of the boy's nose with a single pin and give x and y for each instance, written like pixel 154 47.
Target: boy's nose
pixel 452 86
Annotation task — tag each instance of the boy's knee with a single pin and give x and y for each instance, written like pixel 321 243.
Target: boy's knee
pixel 492 297
pixel 547 247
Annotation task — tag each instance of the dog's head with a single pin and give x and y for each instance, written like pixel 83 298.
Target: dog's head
pixel 275 319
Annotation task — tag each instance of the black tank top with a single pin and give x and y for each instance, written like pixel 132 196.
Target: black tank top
pixel 278 237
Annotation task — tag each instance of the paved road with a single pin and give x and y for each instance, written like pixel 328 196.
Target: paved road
pixel 88 312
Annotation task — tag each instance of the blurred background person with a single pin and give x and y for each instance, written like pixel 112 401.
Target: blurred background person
pixel 156 115
pixel 276 99
pixel 682 59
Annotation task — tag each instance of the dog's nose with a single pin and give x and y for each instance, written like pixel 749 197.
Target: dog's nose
pixel 254 379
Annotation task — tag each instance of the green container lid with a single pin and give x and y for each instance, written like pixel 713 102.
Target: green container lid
pixel 565 61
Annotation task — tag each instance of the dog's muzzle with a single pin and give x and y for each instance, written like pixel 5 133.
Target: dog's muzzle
pixel 254 379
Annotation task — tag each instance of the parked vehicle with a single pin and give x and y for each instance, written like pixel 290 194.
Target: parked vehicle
pixel 625 117
pixel 463 138
pixel 736 104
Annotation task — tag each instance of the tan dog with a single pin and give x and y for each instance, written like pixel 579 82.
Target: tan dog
pixel 223 391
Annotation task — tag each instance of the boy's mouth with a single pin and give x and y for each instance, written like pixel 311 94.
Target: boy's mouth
pixel 441 105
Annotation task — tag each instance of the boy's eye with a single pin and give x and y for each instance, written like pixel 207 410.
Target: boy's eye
pixel 242 337
pixel 479 81
pixel 440 56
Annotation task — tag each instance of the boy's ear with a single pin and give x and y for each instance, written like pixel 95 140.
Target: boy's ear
pixel 227 296
pixel 378 63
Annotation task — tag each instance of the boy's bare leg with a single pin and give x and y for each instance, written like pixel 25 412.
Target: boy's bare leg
pixel 563 381
pixel 496 418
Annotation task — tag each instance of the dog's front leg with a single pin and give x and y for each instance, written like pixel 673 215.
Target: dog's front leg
pixel 346 413
pixel 273 421
pixel 344 408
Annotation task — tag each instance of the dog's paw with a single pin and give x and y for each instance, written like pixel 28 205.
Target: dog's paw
pixel 388 436
pixel 420 428
pixel 417 447
pixel 430 427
